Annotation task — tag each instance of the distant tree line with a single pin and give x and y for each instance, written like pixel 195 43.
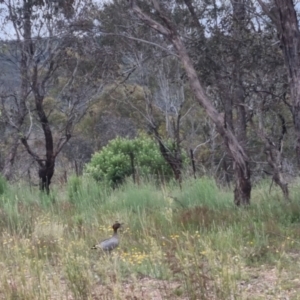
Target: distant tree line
pixel 219 80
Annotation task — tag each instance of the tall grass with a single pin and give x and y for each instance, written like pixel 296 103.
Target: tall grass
pixel 189 243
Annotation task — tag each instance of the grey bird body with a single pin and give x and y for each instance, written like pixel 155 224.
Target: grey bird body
pixel 111 243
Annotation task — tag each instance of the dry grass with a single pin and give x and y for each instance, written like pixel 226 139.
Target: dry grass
pixel 198 251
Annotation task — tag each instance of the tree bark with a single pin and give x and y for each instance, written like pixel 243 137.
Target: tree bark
pixel 243 188
pixel 239 15
pixel 45 175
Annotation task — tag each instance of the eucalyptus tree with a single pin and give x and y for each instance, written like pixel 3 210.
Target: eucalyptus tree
pixel 150 73
pixel 165 99
pixel 229 62
pixel 162 22
pixel 226 47
pixel 245 75
pixel 56 79
pixel 283 15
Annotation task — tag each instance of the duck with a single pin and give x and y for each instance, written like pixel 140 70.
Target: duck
pixel 110 244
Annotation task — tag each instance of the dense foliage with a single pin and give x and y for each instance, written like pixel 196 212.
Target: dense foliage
pixel 114 162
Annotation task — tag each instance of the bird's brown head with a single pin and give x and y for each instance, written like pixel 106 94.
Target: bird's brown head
pixel 116 226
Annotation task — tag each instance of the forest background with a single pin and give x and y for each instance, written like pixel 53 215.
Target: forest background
pixel 77 75
pixel 180 118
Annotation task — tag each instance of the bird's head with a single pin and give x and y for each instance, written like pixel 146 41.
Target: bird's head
pixel 116 226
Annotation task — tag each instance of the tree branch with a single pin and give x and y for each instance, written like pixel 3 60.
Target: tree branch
pixel 142 41
pixel 268 12
pixel 191 9
pixel 153 24
pixel 235 149
pixel 33 154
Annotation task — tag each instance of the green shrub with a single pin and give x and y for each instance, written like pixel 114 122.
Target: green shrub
pixel 113 162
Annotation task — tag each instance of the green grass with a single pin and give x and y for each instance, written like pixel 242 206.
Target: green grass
pixel 189 243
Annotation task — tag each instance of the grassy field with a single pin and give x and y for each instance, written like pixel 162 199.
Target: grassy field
pixel 176 244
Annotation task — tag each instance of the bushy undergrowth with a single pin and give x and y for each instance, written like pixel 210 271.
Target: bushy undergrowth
pixel 189 243
pixel 122 157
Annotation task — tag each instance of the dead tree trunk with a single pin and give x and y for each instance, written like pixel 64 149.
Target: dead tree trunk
pixel 243 187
